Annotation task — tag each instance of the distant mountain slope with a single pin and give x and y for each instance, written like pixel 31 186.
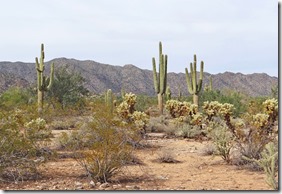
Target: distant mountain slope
pixel 100 77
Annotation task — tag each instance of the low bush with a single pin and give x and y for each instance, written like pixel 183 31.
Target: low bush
pixel 17 152
pixel 110 149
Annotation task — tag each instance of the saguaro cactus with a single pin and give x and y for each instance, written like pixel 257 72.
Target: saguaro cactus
pixel 168 93
pixel 109 99
pixel 194 88
pixel 179 93
pixel 209 87
pixel 43 83
pixel 160 79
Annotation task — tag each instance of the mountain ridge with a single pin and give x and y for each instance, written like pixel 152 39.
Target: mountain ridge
pixel 100 77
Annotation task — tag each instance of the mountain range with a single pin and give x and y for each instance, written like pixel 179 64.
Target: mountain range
pixel 100 77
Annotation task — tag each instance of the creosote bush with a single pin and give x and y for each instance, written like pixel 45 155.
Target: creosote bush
pixel 21 142
pixel 269 163
pixel 109 150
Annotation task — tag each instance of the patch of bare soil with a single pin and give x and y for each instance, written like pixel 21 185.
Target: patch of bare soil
pixel 193 171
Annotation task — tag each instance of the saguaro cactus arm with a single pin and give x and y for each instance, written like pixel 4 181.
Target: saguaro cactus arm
pixel 155 76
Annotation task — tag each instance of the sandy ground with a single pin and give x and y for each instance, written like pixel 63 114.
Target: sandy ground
pixel 194 171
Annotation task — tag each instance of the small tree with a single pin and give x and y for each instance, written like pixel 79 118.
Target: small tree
pixel 68 87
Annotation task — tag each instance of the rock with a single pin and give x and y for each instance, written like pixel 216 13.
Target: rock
pixel 78 184
pixel 118 186
pixel 92 184
pixel 129 187
pixel 136 187
pixel 79 187
pixel 162 177
pixel 104 185
pixel 98 184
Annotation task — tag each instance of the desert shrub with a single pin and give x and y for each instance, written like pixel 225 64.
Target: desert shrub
pixel 209 149
pixel 61 125
pixel 223 141
pixel 166 156
pixel 16 151
pixel 157 124
pixel 269 163
pixel 260 131
pixel 110 149
pixel 188 131
pixel 14 98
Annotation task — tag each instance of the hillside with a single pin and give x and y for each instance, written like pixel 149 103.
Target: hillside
pixel 100 77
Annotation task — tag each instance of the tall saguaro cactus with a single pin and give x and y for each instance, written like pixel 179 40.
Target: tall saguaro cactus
pixel 160 79
pixel 109 99
pixel 43 83
pixel 194 87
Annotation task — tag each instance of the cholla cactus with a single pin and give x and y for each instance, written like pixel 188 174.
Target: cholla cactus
pixel 126 112
pixel 140 119
pixel 36 130
pixel 130 99
pixel 211 108
pixel 177 109
pixel 197 118
pixel 123 110
pixel 226 109
pixel 173 107
pixel 260 120
pixel 270 107
pixel 38 124
pixel 193 109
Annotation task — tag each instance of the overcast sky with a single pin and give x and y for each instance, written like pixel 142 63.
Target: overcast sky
pixel 228 35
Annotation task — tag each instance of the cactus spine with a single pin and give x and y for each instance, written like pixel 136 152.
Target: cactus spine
pixel 160 79
pixel 194 88
pixel 43 83
pixel 109 99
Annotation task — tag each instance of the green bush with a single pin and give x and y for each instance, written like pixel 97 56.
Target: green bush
pixel 223 140
pixel 110 149
pixel 14 98
pixel 68 88
pixel 16 151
